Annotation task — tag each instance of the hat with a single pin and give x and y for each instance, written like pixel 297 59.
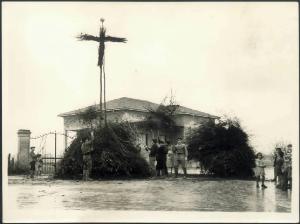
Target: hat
pixel 289 145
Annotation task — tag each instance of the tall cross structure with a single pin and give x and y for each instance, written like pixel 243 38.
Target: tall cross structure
pixel 102 38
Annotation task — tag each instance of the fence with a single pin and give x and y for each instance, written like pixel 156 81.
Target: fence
pixel 49 165
pixel 50 162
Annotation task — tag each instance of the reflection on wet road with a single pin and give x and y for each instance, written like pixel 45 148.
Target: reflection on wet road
pixel 191 194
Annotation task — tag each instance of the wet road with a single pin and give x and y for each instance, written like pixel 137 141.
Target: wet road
pixel 171 194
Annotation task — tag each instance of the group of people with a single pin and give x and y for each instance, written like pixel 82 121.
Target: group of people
pixel 282 168
pixel 162 152
pixel 159 152
pixel 36 163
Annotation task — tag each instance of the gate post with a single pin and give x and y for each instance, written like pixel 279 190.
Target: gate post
pixel 23 149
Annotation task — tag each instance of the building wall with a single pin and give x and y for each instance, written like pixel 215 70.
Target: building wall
pixel 186 120
pixel 189 122
pixel 73 123
pixel 185 123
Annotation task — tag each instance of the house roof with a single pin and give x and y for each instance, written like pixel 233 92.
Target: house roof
pixel 125 103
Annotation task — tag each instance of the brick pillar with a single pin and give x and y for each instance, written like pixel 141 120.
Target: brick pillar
pixel 23 149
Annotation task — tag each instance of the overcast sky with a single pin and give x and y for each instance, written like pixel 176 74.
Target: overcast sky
pixel 240 59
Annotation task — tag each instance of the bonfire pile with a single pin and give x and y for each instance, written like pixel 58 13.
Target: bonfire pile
pixel 114 155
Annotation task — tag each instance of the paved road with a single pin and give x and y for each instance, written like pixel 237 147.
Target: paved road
pixel 171 194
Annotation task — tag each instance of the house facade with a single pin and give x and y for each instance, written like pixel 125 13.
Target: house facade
pixel 136 112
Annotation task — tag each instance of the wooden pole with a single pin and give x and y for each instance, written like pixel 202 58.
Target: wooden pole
pixel 100 96
pixel 100 66
pixel 104 91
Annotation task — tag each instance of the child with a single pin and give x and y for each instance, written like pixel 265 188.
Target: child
pixel 170 160
pixel 260 170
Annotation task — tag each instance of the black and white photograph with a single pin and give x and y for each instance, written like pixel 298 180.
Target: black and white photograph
pixel 150 112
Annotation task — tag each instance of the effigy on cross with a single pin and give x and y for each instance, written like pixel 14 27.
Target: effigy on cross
pixel 102 38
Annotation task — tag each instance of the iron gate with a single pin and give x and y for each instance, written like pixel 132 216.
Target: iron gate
pixel 49 164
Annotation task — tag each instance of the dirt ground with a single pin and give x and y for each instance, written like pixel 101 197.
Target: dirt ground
pixel 169 194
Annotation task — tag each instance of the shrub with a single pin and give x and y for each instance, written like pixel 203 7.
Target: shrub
pixel 114 155
pixel 223 148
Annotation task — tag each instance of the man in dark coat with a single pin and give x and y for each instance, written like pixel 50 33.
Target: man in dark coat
pixel 152 155
pixel 161 159
pixel 32 161
pixel 278 161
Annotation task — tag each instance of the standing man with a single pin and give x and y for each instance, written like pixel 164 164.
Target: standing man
pixel 278 161
pixel 278 164
pixel 86 149
pixel 161 159
pixel 32 161
pixel 181 154
pixel 152 155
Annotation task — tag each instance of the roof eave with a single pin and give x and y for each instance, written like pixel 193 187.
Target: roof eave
pixel 131 109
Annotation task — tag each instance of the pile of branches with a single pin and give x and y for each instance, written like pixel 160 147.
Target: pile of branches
pixel 222 148
pixel 114 155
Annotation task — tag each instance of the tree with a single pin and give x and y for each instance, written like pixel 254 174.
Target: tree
pixel 222 148
pixel 162 118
